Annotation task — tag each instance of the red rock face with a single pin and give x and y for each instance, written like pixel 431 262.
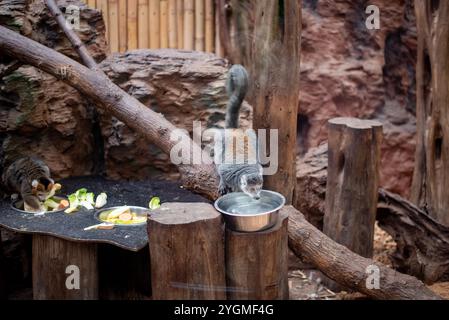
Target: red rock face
pixel 348 70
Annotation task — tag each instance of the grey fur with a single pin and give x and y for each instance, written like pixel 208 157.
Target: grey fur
pixel 238 177
pixel 236 87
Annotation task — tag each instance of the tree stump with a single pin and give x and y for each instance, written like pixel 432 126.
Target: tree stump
pixel 55 265
pixel 187 252
pixel 257 263
pixel 352 184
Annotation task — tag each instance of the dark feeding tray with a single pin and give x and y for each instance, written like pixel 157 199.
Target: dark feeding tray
pixel 71 226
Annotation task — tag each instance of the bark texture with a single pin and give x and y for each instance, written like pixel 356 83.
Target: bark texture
pixel 430 188
pixel 187 252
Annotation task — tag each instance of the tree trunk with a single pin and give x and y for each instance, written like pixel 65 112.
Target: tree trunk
pixel 198 177
pixel 257 263
pixel 187 252
pixel 275 83
pixel 352 183
pixel 430 189
pixel 52 273
pixel 349 269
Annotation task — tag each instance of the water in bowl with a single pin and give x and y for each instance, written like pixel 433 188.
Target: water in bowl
pixel 251 207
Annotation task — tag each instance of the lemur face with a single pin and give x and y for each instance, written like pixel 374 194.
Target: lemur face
pixel 251 184
pixel 42 187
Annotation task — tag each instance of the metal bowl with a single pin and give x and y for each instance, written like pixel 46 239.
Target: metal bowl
pixel 245 214
pixel 19 203
pixel 140 211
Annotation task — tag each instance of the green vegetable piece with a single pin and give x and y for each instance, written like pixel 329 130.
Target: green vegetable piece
pixel 155 203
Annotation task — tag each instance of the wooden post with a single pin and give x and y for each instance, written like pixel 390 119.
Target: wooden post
pixel 55 265
pixel 189 21
pixel 172 24
pixel 114 26
pixel 180 22
pixel 132 25
pixel 123 25
pixel 210 26
pixel 430 188
pixel 199 25
pixel 164 23
pixel 187 252
pixel 257 263
pixel 275 84
pixel 102 5
pixel 352 183
pixel 155 26
pixel 142 25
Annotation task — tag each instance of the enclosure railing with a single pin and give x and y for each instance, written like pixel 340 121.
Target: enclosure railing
pixel 176 24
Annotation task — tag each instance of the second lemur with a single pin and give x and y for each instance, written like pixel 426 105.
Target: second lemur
pixel 238 175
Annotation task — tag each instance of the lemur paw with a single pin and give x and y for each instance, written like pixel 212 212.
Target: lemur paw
pixel 222 190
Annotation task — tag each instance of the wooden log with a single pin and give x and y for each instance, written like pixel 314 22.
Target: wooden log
pixel 257 263
pixel 199 25
pixel 124 275
pixel 187 252
pixel 209 26
pixel 180 22
pixel 430 188
pixel 172 24
pixel 189 22
pixel 275 79
pixel 352 183
pixel 201 178
pixel 347 268
pixel 53 276
pixel 142 10
pixel 155 25
pixel 123 25
pixel 164 24
pixel 132 25
pixel 114 26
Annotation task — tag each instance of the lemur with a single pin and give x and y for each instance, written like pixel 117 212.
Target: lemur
pixel 246 176
pixel 30 178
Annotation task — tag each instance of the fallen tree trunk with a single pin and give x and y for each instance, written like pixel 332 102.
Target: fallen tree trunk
pixel 422 242
pixel 201 178
pixel 349 269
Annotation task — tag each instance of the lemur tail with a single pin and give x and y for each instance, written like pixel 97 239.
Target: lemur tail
pixel 237 87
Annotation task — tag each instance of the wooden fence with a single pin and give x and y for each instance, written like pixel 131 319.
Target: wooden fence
pixel 176 24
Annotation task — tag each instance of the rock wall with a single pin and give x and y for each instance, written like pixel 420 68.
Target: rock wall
pixel 183 86
pixel 348 70
pixel 39 114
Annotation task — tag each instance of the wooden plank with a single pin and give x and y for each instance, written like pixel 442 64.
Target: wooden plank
pixel 164 24
pixel 180 22
pixel 132 25
pixel 143 21
pixel 92 3
pixel 102 5
pixel 123 25
pixel 199 25
pixel 218 46
pixel 172 24
pixel 155 26
pixel 209 26
pixel 189 27
pixel 55 261
pixel 114 25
